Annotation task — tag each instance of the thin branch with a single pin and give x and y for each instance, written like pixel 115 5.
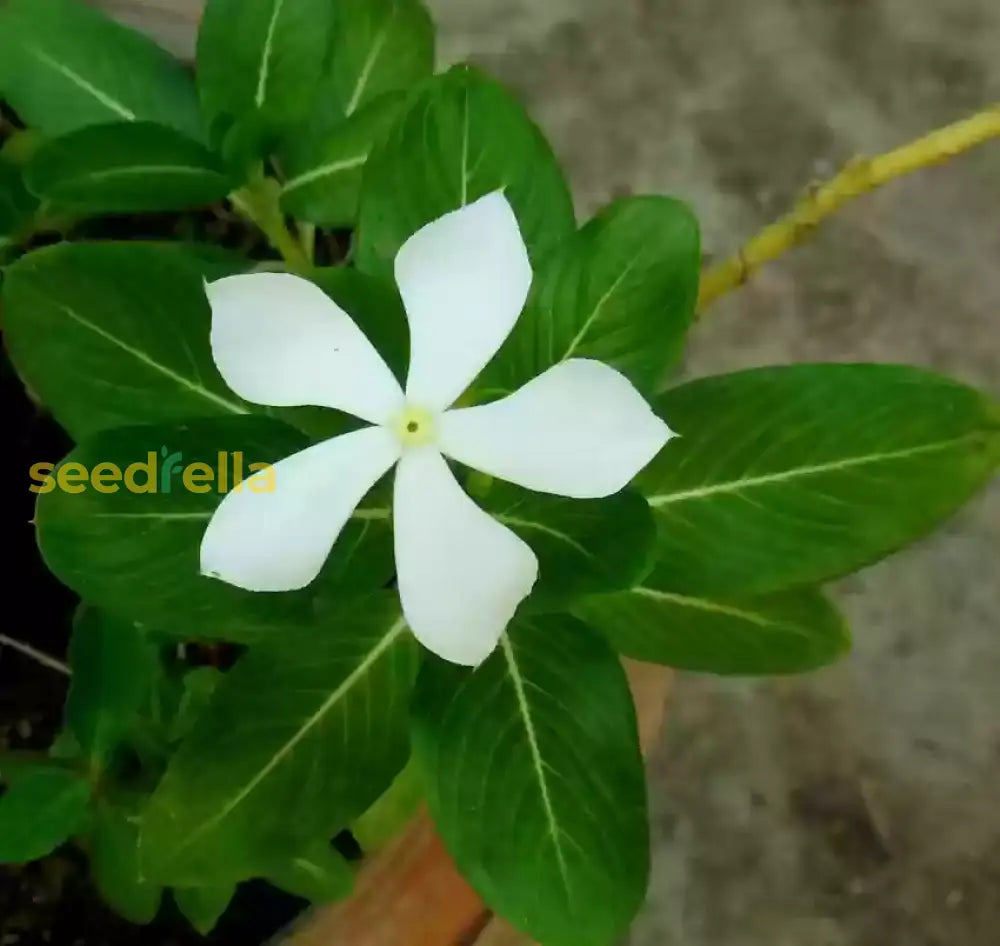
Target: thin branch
pixel 44 659
pixel 259 203
pixel 859 177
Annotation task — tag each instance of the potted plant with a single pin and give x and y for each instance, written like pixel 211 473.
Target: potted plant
pixel 247 680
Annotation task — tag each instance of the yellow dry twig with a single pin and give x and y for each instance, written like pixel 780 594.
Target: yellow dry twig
pixel 860 176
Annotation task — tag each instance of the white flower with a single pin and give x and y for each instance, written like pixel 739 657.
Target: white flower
pixel 580 429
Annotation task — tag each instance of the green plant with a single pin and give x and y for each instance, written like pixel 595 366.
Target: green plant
pixel 318 116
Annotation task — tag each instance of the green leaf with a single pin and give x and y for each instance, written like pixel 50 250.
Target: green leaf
pixel 114 862
pixel 535 781
pixel 17 206
pixel 583 546
pixel 64 65
pixel 127 167
pixel 317 874
pixel 111 334
pixel 39 812
pixel 113 668
pixel 622 291
pixel 387 817
pixel 259 61
pixel 86 322
pixel 376 307
pixel 462 137
pixel 301 737
pixel 791 632
pixel 381 49
pixel 198 688
pixel 213 262
pixel 137 554
pixel 795 475
pixel 324 171
pixel 17 764
pixel 379 46
pixel 66 747
pixel 203 906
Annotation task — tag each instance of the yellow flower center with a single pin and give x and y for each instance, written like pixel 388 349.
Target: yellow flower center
pixel 415 427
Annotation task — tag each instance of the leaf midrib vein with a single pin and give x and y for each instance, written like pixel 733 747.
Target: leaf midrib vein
pixel 324 171
pixel 546 529
pixel 146 360
pixel 364 77
pixel 555 832
pixel 106 100
pixel 265 61
pixel 733 486
pixel 165 516
pixel 310 868
pixel 374 655
pixel 132 169
pixel 359 515
pixel 598 309
pixel 713 607
pixel 465 149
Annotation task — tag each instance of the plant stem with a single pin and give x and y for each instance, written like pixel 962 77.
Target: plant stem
pixel 259 202
pixel 307 238
pixel 44 659
pixel 860 176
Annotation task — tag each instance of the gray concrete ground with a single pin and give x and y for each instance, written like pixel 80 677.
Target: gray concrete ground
pixel 857 806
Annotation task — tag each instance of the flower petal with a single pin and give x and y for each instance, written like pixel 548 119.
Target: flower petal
pixel 279 540
pixel 464 280
pixel 461 574
pixel 579 429
pixel 279 340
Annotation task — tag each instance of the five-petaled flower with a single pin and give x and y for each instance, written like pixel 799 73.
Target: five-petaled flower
pixel 579 429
